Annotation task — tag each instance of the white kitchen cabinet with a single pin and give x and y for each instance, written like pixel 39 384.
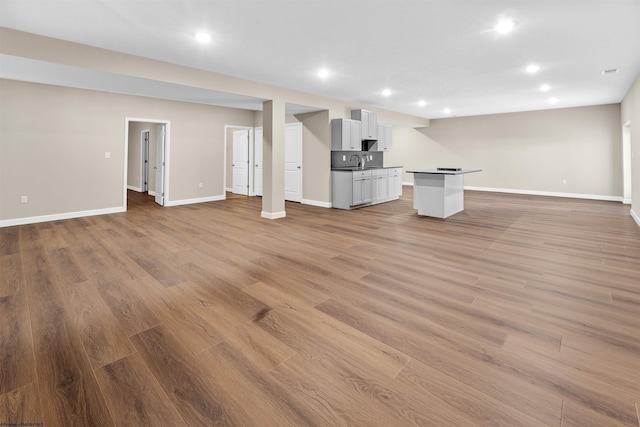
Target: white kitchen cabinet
pixel 395 183
pixel 369 123
pixel 357 188
pixel 350 189
pixel 361 188
pixel 346 135
pixel 384 138
pixel 379 185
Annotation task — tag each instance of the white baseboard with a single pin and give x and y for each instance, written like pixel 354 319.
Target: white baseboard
pixel 57 217
pixel 316 203
pixel 151 193
pixel 547 193
pixel 131 187
pixel 635 217
pixel 274 215
pixel 626 201
pixel 410 184
pixel 192 201
pixel 229 190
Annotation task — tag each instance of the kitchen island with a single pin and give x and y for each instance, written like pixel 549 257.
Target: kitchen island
pixel 439 192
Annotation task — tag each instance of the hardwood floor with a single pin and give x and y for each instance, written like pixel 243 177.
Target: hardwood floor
pixel 519 311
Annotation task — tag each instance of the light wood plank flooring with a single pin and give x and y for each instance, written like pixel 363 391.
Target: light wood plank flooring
pixel 519 311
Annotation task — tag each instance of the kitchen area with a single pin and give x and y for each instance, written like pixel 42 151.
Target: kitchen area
pixel 358 175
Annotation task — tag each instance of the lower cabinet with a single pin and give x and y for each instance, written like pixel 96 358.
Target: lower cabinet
pixel 354 189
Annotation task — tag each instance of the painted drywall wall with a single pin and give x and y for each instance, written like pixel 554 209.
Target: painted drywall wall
pixel 630 112
pixel 530 151
pixel 62 134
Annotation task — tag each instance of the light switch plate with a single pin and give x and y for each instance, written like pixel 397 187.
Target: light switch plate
pixel 107 154
pixel 24 199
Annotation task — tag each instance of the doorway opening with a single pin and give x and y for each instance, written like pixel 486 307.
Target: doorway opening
pixel 147 159
pixel 626 163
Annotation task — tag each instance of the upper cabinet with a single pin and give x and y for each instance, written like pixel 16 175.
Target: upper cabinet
pixel 369 121
pixel 384 139
pixel 345 135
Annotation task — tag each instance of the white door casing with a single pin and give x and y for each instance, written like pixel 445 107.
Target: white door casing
pixel 259 169
pixel 293 162
pixel 144 179
pixel 241 162
pixel 160 164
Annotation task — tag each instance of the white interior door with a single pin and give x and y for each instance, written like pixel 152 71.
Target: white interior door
pixel 258 162
pixel 160 164
pixel 293 162
pixel 241 162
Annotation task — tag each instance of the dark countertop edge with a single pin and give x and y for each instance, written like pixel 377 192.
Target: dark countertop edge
pixel 349 169
pixel 440 172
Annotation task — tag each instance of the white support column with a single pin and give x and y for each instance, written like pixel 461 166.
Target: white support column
pixel 273 116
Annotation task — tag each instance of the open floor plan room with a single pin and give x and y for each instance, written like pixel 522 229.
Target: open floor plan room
pixel 518 311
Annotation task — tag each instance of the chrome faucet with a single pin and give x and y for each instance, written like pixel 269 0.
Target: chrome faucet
pixel 364 160
pixel 356 156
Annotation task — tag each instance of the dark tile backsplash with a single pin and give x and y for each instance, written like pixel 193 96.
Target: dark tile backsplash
pixel 374 158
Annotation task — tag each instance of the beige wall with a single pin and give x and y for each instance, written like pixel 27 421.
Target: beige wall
pixel 53 140
pixel 631 113
pixel 531 151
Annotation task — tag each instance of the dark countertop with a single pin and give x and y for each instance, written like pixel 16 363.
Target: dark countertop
pixel 445 172
pixel 354 168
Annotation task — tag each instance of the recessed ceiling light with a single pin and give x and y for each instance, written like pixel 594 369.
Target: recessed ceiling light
pixel 545 88
pixel 323 73
pixel 504 26
pixel 203 37
pixel 553 100
pixel 533 68
pixel 447 110
pixel 386 92
pixel 422 103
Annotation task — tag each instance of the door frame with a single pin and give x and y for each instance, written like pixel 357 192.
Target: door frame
pixel 144 155
pixel 627 182
pixel 167 152
pixel 226 160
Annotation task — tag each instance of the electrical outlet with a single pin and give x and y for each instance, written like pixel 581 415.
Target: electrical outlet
pixel 107 154
pixel 200 185
pixel 24 199
pixel 564 181
pixel 344 158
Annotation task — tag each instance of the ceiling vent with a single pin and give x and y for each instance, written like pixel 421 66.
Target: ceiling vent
pixel 610 71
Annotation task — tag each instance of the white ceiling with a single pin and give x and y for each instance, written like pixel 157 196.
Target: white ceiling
pixel 444 52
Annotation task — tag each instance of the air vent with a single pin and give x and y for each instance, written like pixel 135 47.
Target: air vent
pixel 610 71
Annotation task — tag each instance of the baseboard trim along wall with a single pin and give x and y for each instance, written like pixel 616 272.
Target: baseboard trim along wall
pixel 635 217
pixel 316 203
pixel 274 215
pixel 131 187
pixel 626 201
pixel 151 193
pixel 547 193
pixel 192 201
pixel 57 217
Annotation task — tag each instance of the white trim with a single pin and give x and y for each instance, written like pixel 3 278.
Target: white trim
pixel 167 137
pixel 626 201
pixel 193 201
pixel 142 153
pixel 274 215
pixel 410 184
pixel 547 193
pixel 57 217
pixel 229 190
pixel 131 187
pixel 635 217
pixel 151 193
pixel 316 203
